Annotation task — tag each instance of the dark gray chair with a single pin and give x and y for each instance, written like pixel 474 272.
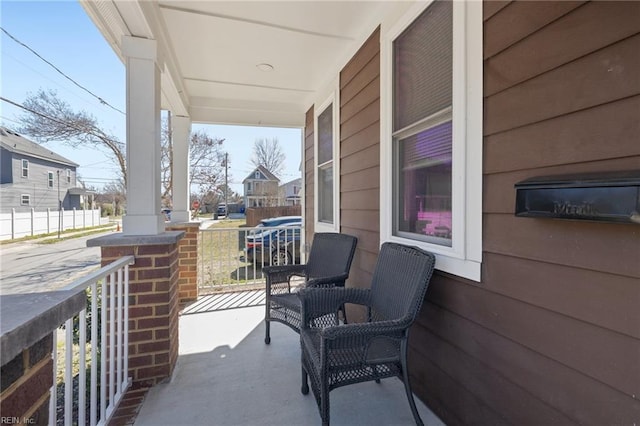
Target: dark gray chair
pixel 328 266
pixel 345 354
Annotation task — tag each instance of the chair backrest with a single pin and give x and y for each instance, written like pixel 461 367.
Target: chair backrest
pixel 400 281
pixel 331 254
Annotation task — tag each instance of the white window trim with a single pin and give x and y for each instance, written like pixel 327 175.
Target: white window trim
pixel 68 176
pixel 334 98
pixel 51 182
pixel 23 168
pixel 464 257
pixel 22 198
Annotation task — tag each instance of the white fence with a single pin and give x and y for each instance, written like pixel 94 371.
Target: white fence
pixel 16 225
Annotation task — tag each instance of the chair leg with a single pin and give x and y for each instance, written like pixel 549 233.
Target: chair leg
pixel 305 382
pixel 407 385
pixel 267 323
pixel 324 403
pixel 267 336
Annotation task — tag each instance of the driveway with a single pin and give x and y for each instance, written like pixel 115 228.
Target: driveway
pixel 29 267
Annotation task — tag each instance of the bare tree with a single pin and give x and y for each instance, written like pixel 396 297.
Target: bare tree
pixel 113 193
pixel 52 119
pixel 206 174
pixel 268 153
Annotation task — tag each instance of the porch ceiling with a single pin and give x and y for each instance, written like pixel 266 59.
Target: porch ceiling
pixel 211 51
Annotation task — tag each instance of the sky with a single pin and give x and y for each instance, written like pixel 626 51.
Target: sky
pixel 62 33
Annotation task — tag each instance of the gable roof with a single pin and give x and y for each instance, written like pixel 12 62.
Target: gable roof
pixel 264 171
pixel 15 143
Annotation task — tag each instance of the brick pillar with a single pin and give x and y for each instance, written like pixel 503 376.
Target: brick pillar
pixel 26 381
pixel 153 302
pixel 188 261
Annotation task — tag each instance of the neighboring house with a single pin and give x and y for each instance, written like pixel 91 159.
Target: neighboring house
pixel 33 176
pixel 261 188
pixel 290 192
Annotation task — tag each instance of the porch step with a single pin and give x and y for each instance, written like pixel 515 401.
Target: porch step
pixel 224 301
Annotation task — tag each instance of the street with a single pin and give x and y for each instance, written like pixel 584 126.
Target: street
pixel 29 267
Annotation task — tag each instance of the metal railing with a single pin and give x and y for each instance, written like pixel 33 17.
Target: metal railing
pixel 108 348
pixel 232 258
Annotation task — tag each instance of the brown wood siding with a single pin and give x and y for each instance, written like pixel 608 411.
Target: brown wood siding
pixel 360 157
pixel 309 206
pixel 552 333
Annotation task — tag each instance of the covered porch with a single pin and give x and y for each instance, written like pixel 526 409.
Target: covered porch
pixel 526 321
pixel 226 375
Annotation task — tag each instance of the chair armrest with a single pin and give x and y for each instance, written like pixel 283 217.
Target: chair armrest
pixel 286 269
pixel 366 330
pixel 280 274
pixel 316 302
pixel 324 281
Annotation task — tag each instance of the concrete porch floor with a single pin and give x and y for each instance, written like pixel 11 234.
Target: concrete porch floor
pixel 226 375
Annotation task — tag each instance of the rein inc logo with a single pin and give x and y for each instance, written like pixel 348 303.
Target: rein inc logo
pixel 4 420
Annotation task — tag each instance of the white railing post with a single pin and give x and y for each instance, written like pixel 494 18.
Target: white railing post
pixel 93 407
pixel 48 220
pixel 68 373
pixel 126 322
pixel 82 373
pixel 13 223
pixel 53 401
pixel 119 335
pixel 112 335
pixel 33 224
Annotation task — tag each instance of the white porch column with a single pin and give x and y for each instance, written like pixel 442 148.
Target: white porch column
pixel 181 136
pixel 143 65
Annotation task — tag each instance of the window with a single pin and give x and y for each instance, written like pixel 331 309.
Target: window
pixel 432 134
pixel 248 186
pixel 25 199
pixel 257 175
pixel 68 176
pixel 50 179
pixel 325 165
pixel 422 92
pixel 25 168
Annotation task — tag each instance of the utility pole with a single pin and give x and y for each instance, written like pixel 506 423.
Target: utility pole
pixel 226 184
pixel 59 206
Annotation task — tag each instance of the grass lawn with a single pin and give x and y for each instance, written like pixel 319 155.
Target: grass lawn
pixel 221 264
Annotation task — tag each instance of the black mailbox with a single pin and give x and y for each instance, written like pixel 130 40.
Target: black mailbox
pixel 605 197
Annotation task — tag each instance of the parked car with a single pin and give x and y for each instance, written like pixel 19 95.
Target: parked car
pixel 222 209
pixel 278 221
pixel 282 237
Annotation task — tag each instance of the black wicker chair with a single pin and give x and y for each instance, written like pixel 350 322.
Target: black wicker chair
pixel 352 353
pixel 327 266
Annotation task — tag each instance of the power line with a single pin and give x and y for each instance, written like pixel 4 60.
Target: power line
pixel 2 98
pixel 85 100
pixel 102 101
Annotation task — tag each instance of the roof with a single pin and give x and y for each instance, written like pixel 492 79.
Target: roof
pixel 81 191
pixel 13 142
pixel 264 171
pixel 296 181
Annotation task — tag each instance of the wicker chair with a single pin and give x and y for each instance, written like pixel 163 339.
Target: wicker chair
pixel 328 266
pixel 352 353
